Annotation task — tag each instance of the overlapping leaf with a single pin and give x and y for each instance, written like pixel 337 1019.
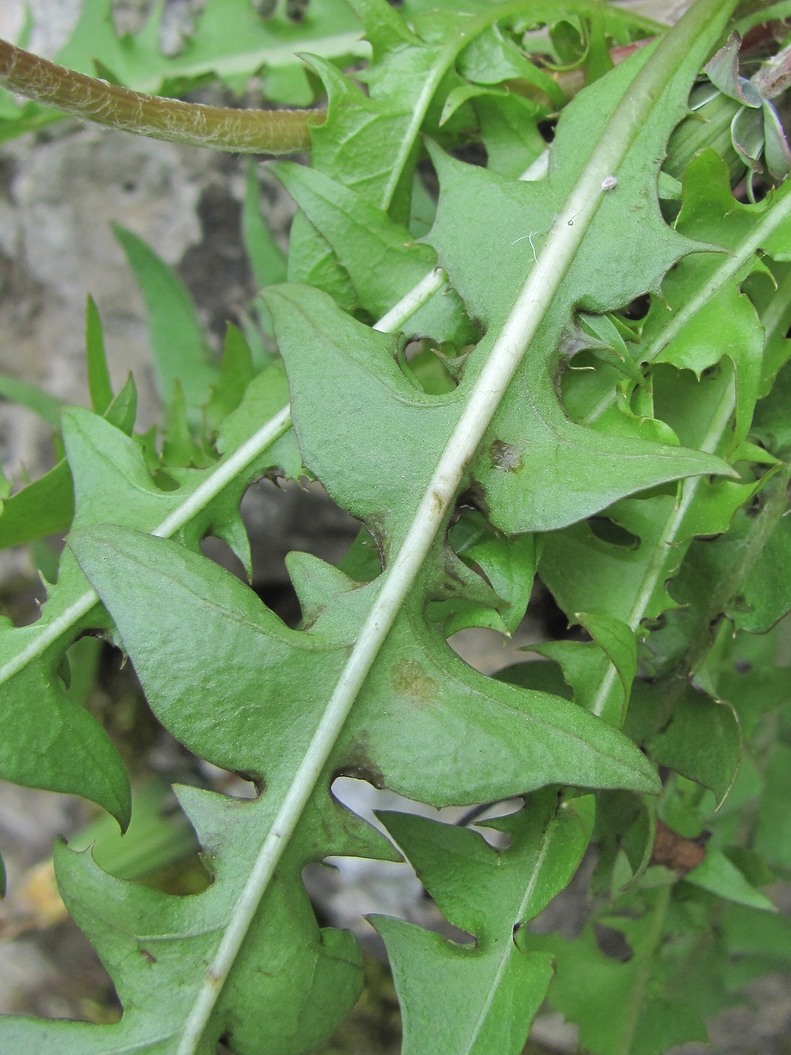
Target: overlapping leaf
pixel 494 986
pixel 702 319
pixel 245 958
pixel 252 705
pixel 622 1006
pixel 380 257
pixel 543 461
pixel 50 741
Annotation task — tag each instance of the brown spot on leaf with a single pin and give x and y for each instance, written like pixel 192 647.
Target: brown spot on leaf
pixel 359 764
pixel 410 679
pixel 505 457
pixel 675 851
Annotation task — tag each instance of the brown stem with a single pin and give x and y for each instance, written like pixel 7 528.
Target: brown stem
pixel 774 76
pixel 222 128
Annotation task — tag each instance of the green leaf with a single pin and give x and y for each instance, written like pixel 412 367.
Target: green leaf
pixel 99 384
pixel 508 564
pixel 177 342
pixel 703 314
pixel 264 400
pixel 717 577
pixel 588 573
pixel 155 979
pixel 492 988
pixel 600 672
pixel 367 685
pixel 178 446
pixel 560 459
pixel 236 373
pixel 772 838
pixel 701 741
pixel 751 931
pixel 333 361
pixel 379 256
pixel 46 506
pixel 512 140
pixel 266 257
pixel 493 58
pixel 50 742
pixel 617 641
pixel 765 596
pixel 771 423
pixel 128 564
pixel 619 1007
pixel 520 741
pixel 370 141
pixel 719 875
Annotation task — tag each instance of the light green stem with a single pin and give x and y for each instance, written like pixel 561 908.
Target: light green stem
pixel 666 551
pixel 645 958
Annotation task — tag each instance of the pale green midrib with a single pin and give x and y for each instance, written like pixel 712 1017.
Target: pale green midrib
pixel 275 427
pixel 509 948
pixel 733 264
pixel 667 540
pixel 476 25
pixel 505 356
pixel 645 958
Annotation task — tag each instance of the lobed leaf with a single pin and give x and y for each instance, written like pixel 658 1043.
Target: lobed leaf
pixel 52 742
pixel 493 987
pixel 618 1009
pixel 258 719
pixel 180 353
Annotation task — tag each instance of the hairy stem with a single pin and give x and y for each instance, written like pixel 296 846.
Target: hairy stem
pixel 193 124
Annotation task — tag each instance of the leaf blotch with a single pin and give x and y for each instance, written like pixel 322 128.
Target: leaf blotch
pixel 505 457
pixel 411 681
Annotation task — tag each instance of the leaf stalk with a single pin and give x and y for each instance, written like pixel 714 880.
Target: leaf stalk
pixel 243 131
pixel 667 544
